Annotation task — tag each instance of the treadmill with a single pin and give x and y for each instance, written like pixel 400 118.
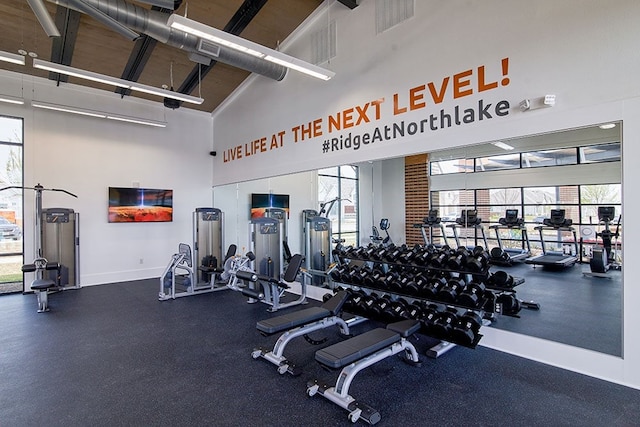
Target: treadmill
pixel 469 219
pixel 557 259
pixel 432 222
pixel 509 256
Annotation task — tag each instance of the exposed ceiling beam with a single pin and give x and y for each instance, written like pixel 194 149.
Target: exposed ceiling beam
pixel 139 56
pixel 243 16
pixel 62 47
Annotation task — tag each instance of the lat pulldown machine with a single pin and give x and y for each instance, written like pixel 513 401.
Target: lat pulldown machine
pixel 56 262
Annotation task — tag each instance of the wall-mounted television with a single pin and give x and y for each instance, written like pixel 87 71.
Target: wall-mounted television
pixel 260 202
pixel 140 205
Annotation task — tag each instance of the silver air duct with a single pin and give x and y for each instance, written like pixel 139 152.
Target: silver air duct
pixel 154 24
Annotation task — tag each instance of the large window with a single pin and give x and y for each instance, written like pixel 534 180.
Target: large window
pixel 338 194
pixel 534 204
pixel 597 153
pixel 11 136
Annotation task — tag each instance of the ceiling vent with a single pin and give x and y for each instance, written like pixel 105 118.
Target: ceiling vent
pixel 390 13
pixel 323 44
pixel 208 48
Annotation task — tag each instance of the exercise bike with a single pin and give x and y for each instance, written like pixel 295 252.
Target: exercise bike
pixel 603 256
pixel 376 238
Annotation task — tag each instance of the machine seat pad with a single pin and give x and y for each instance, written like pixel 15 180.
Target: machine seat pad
pixel 292 320
pixel 356 348
pixel 405 328
pixel 42 284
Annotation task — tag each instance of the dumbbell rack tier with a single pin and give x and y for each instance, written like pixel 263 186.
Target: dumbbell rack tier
pixel 485 304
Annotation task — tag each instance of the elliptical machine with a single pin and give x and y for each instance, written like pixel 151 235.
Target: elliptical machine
pixel 603 256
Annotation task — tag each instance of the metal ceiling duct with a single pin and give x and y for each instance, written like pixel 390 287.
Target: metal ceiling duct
pixel 154 24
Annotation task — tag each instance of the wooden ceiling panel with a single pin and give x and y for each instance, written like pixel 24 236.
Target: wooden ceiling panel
pixel 102 50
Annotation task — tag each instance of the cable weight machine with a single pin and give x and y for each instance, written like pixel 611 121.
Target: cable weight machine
pixel 56 262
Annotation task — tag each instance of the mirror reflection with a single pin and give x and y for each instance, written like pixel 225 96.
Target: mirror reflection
pixel 548 211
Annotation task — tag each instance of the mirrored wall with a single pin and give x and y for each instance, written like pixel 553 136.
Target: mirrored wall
pixel 576 170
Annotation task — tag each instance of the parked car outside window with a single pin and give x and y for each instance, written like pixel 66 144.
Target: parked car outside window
pixel 9 230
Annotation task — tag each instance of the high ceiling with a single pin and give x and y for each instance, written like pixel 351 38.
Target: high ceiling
pixel 88 44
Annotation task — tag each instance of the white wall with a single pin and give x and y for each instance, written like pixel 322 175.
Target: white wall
pixel 583 51
pixel 87 155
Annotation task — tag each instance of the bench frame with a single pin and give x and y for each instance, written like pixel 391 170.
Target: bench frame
pixel 339 394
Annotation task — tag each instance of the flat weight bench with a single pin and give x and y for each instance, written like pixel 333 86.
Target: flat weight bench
pixel 357 353
pixel 300 323
pixel 42 286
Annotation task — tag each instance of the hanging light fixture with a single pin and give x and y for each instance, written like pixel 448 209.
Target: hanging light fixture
pixel 214 35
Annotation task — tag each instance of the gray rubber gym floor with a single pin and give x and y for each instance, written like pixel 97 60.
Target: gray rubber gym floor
pixel 113 355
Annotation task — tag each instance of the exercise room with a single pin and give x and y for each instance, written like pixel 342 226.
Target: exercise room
pixel 318 212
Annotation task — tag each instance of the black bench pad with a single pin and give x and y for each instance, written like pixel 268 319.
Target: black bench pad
pixel 292 320
pixel 405 328
pixel 42 284
pixel 358 347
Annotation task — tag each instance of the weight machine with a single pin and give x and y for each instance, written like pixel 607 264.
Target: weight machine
pixel 317 247
pixel 197 276
pixel 558 224
pixel 282 217
pixel 56 263
pixel 508 256
pixel 603 257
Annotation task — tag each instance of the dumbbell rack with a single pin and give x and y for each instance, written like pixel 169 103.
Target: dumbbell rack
pixel 487 305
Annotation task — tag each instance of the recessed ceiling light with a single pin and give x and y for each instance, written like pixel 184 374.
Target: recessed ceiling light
pixel 607 126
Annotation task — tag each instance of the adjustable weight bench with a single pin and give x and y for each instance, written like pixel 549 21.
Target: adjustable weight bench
pixel 297 324
pixel 357 353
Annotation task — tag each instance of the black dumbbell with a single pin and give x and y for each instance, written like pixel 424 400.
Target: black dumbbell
pixel 430 290
pixel 380 253
pixel 443 323
pixel 458 259
pixel 398 310
pixel 378 308
pixel 466 329
pixel 429 315
pixel 472 294
pixel 440 258
pixel 509 304
pixel 371 281
pixel 500 279
pixel 337 273
pixel 407 284
pixel 368 304
pixel 449 292
pixel 368 253
pixel 390 280
pixel 415 310
pixel 355 302
pixel 409 255
pixel 478 261
pixel 419 280
pixel 497 254
pixel 422 258
pixel 326 297
pixel 394 253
